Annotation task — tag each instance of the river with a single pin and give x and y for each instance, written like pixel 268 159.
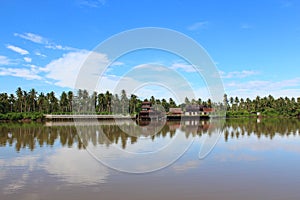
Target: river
pixel 235 159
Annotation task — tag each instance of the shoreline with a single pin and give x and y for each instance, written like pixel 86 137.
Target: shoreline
pixel 53 118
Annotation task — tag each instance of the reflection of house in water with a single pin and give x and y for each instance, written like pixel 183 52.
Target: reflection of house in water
pixel 174 125
pixel 195 126
pixel 150 128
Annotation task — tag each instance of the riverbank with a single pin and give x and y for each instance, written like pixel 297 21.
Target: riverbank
pixel 22 117
pixel 40 117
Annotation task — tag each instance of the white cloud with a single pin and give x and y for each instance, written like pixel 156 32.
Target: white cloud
pixel 197 25
pixel 32 37
pixel 66 69
pixel 238 74
pixel 153 76
pixel 60 47
pixel 4 60
pixel 40 54
pixel 41 40
pixel 183 67
pixel 27 59
pixel 17 49
pixel 186 166
pixel 20 72
pixel 91 3
pixel 289 87
pixel 266 85
pixel 117 63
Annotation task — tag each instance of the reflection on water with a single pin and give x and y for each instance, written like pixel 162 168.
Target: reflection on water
pixel 251 161
pixel 33 135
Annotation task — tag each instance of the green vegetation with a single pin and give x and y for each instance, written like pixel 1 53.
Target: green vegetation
pixel 266 106
pixel 32 105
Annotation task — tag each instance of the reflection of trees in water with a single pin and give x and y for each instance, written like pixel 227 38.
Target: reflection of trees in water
pixel 235 128
pixel 34 135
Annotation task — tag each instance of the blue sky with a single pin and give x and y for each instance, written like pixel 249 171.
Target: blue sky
pixel 254 44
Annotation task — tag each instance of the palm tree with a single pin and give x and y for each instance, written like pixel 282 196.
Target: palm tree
pixel 124 102
pixel 19 94
pixel 225 101
pixel 132 104
pixel 101 102
pixel 242 104
pixel 209 103
pixel 165 104
pixel 248 104
pixel 231 100
pixel 172 103
pixel 32 99
pixel 4 103
pixel 70 101
pixel 42 103
pixel 53 102
pixel 64 102
pixel 236 102
pixel 108 97
pixel 11 101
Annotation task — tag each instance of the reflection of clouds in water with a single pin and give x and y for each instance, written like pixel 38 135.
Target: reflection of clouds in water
pixel 32 196
pixel 75 167
pixel 158 154
pixel 234 150
pixel 223 157
pixel 23 166
pixel 186 166
pixel 70 165
pixel 291 144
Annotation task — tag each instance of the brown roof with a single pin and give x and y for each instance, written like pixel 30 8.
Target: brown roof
pixel 208 110
pixel 175 110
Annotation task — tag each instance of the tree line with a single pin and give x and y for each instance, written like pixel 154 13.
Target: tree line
pixel 34 104
pixel 268 106
pixel 102 103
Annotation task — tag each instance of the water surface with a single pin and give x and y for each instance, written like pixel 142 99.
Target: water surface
pixel 252 160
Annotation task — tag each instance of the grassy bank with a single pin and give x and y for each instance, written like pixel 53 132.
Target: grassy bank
pixel 25 116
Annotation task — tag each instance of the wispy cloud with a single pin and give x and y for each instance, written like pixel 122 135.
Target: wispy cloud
pixel 289 87
pixel 117 63
pixel 5 61
pixel 42 40
pixel 17 49
pixel 27 59
pixel 40 54
pixel 184 67
pixel 20 72
pixel 186 166
pixel 32 37
pixel 197 25
pixel 91 3
pixel 59 47
pixel 238 74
